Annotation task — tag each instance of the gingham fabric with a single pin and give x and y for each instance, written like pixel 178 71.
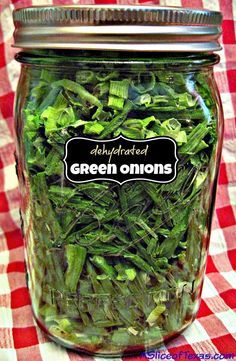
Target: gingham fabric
pixel 214 330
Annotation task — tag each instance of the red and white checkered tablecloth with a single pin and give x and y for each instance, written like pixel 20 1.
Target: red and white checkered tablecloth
pixel 214 330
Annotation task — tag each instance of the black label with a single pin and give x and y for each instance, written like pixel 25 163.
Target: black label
pixel 121 160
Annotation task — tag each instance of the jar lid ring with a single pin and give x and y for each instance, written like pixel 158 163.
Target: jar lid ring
pixel 118 27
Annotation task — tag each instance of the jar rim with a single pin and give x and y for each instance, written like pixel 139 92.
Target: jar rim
pixel 97 59
pixel 118 28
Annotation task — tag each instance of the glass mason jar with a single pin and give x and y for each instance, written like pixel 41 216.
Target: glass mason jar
pixel 117 154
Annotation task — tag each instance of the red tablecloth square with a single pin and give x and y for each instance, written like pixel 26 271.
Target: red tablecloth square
pixel 25 337
pixel 20 297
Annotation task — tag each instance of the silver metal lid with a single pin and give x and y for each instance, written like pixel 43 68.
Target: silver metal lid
pixel 118 27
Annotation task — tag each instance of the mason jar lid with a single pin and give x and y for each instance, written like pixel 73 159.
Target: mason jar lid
pixel 118 27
